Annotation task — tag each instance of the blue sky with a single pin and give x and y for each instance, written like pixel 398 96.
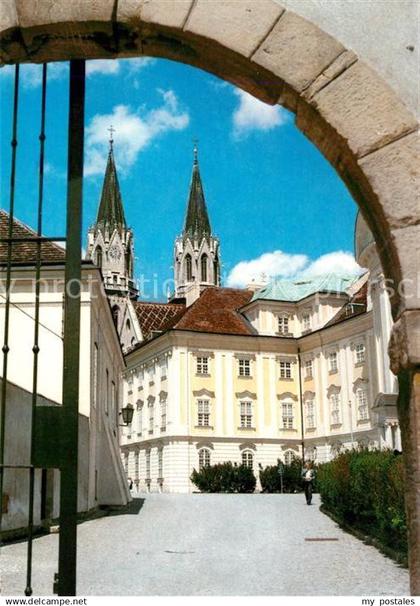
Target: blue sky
pixel 274 201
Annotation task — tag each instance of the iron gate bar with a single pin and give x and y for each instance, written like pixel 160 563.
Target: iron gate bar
pixel 35 348
pixel 5 348
pixel 66 582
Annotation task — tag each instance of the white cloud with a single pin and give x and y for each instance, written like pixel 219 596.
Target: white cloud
pixel 103 66
pixel 31 74
pixel 253 114
pixel 134 130
pixel 268 265
pixel 278 264
pixel 334 262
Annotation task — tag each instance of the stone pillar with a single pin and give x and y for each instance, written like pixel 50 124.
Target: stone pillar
pixel 404 352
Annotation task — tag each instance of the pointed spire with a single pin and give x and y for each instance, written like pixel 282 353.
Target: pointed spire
pixel 111 209
pixel 197 223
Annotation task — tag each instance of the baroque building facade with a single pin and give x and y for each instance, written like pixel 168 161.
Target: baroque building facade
pixel 254 375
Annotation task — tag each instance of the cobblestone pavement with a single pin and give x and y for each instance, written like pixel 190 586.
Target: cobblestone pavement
pixel 213 545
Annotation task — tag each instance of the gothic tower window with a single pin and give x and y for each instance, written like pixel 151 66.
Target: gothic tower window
pixel 115 314
pixel 98 256
pixel 188 268
pixel 216 271
pixel 204 268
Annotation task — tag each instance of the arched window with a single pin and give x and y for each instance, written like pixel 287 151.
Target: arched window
pixel 203 458
pixel 204 268
pixel 310 453
pixel 98 256
pixel 115 314
pixel 188 268
pixel 248 458
pixel 216 271
pixel 289 455
pixel 128 324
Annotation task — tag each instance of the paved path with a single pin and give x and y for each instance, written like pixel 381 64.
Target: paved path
pixel 213 545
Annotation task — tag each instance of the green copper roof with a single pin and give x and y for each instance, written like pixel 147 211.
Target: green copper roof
pixel 111 209
pixel 197 223
pixel 295 290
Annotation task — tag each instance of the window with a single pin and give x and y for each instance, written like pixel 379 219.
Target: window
pixel 147 464
pixel 203 407
pixel 128 324
pixel 362 404
pixel 246 414
pixel 333 361
pixel 95 376
pixel 308 369
pixel 99 256
pixel 202 365
pixel 287 415
pixel 107 392
pixel 310 414
pixel 216 271
pixel 285 370
pixel 283 325
pixel 115 314
pixel 163 415
pixel 113 398
pixel 310 454
pixel 360 353
pixel 306 322
pixel 335 409
pixel 136 465
pixel 204 268
pixel 248 459
pixel 151 406
pixel 126 455
pixel 139 417
pixel 244 368
pixel 188 268
pixel 160 463
pixel 289 455
pixel 163 368
pixel 203 458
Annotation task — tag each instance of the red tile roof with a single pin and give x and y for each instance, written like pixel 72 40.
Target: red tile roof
pixel 355 307
pixel 157 317
pixel 217 311
pixel 26 252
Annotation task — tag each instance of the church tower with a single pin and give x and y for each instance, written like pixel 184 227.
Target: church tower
pixel 110 242
pixel 196 254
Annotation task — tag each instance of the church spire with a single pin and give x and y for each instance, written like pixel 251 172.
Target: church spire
pixel 197 223
pixel 196 251
pixel 111 211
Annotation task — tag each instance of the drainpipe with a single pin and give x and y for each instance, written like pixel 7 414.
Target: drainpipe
pixel 301 406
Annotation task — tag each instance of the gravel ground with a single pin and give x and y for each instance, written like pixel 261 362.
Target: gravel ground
pixel 212 545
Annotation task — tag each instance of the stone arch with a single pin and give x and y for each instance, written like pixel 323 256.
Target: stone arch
pixel 341 104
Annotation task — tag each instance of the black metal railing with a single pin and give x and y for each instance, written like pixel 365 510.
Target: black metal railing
pixel 64 431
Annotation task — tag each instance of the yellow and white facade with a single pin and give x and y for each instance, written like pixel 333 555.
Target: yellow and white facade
pixel 308 374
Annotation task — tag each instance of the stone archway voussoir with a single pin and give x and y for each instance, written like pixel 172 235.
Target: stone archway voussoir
pixel 238 26
pixel 159 12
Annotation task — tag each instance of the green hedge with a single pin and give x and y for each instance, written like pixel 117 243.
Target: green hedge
pixel 292 481
pixel 224 477
pixel 365 489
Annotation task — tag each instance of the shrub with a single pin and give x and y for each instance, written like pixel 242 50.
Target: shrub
pixel 366 489
pixel 224 477
pixel 292 481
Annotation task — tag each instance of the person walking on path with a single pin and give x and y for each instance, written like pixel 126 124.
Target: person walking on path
pixel 308 476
